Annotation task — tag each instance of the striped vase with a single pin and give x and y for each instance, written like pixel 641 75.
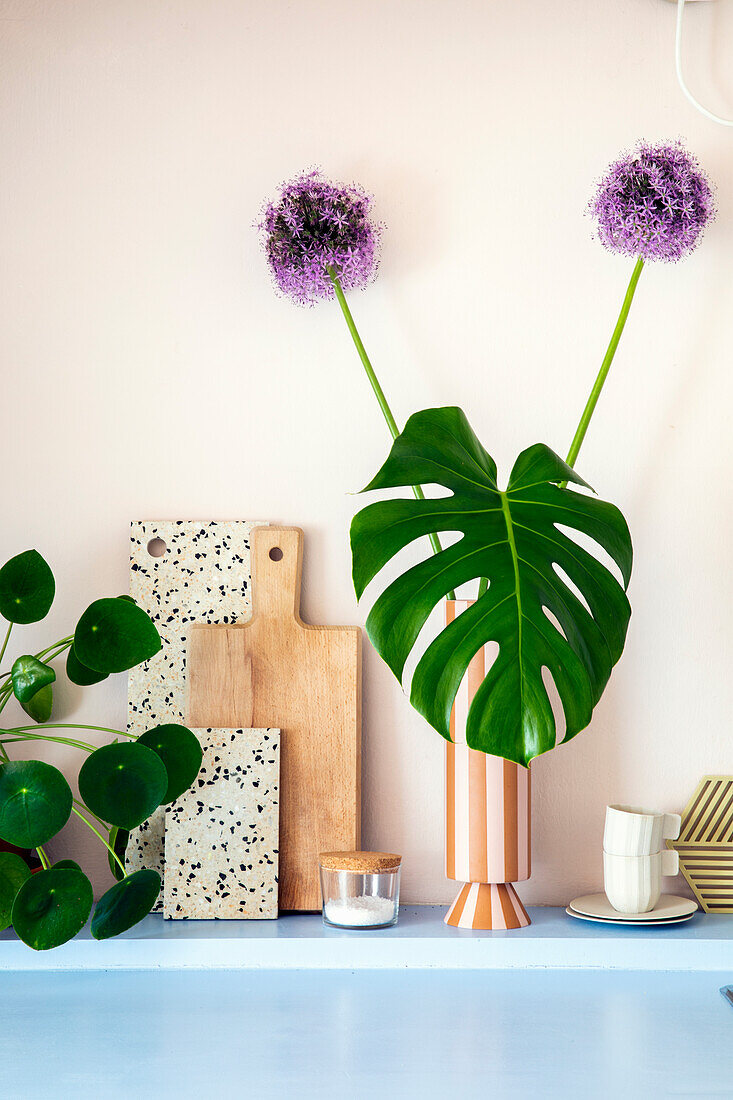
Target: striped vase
pixel 488 812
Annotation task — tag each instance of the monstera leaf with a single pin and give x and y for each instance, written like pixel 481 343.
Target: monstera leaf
pixel 515 539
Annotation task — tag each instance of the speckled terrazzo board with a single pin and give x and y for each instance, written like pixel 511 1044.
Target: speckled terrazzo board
pixel 202 577
pixel 221 837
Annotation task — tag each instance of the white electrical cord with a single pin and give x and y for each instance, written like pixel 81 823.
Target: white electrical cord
pixel 680 77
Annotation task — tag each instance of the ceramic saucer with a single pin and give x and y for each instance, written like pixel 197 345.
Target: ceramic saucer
pixel 668 910
pixel 638 923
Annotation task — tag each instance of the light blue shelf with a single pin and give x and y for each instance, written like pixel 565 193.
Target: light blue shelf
pixel 408 1034
pixel 289 1008
pixel 419 941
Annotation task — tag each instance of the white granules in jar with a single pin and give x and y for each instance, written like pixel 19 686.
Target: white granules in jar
pixel 359 912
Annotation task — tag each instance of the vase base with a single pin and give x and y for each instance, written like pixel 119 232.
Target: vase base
pixel 491 906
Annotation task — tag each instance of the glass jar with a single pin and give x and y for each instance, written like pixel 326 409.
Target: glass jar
pixel 360 889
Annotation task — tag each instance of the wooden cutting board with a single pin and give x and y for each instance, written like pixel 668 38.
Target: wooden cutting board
pixel 277 671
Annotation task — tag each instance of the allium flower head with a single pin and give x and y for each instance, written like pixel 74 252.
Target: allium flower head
pixel 653 202
pixel 314 225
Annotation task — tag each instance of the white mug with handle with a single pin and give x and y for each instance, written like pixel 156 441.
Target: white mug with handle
pixel 632 832
pixel 633 883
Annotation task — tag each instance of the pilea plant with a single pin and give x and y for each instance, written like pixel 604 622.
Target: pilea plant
pixel 550 605
pixel 120 784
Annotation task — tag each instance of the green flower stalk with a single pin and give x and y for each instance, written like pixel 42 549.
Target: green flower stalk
pixel 652 204
pixel 320 241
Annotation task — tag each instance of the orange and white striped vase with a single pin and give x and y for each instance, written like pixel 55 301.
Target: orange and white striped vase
pixel 488 818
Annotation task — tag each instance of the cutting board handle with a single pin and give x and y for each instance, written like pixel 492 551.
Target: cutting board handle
pixel 277 560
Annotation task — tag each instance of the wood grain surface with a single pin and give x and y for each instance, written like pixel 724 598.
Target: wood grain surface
pixel 277 671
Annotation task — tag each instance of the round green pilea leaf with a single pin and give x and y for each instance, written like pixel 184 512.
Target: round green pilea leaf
pixel 123 784
pixel 66 865
pixel 113 635
pixel 29 675
pixel 13 873
pixel 79 674
pixel 51 907
pixel 27 588
pixel 125 903
pixel 40 705
pixel 181 753
pixel 35 802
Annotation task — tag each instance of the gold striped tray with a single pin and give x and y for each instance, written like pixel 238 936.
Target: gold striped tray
pixel 705 843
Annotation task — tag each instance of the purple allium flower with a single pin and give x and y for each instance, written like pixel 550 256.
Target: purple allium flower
pixel 314 225
pixel 653 202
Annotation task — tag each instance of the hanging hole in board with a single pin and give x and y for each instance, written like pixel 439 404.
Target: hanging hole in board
pixel 276 554
pixel 156 548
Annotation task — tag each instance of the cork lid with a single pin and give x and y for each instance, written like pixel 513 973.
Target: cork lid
pixel 360 861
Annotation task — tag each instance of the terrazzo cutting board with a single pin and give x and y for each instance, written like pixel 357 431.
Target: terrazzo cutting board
pixel 221 836
pixel 181 572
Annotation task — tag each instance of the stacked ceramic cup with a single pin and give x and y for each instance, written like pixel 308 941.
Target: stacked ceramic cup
pixel 634 860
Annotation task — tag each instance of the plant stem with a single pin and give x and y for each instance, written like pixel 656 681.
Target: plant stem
pixel 64 643
pixel 74 744
pixel 5 699
pixel 99 835
pixel 27 733
pixel 378 391
pixel 70 726
pixel 61 645
pixel 5 693
pixel 45 861
pixel 83 806
pixel 5 643
pixel 54 651
pixel 605 366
